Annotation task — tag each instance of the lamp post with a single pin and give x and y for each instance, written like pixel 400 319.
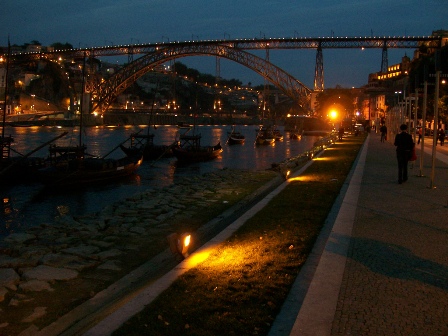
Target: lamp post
pixel 422 150
pixel 436 124
pixel 5 104
pixel 409 100
pixel 398 112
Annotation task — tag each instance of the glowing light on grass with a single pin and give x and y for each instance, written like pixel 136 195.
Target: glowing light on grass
pixel 197 257
pixel 306 178
pixel 229 257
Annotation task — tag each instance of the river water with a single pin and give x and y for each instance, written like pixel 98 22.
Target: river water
pixel 30 205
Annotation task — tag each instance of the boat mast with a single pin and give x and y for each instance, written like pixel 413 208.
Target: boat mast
pixel 82 100
pixel 152 121
pixel 6 90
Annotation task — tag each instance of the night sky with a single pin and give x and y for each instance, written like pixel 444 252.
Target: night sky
pixel 106 22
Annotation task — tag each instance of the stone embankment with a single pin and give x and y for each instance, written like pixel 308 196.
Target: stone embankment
pixel 51 268
pixel 39 267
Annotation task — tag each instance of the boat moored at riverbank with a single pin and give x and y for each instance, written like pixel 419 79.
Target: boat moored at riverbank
pixel 145 144
pixel 189 149
pixel 22 168
pixel 37 203
pixel 72 166
pixel 235 137
pixel 264 137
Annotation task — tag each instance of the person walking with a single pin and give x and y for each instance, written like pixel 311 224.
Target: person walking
pixel 341 132
pixel 419 135
pixel 403 142
pixel 383 130
pixel 441 136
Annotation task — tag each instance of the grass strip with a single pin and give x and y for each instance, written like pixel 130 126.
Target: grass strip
pixel 241 287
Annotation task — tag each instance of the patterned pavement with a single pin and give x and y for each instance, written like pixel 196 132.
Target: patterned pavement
pixel 381 265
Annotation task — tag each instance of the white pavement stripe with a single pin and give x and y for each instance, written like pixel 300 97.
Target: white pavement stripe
pixel 316 315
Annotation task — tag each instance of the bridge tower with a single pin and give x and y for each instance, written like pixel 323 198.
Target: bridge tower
pixel 130 54
pixel 218 69
pixel 266 108
pixel 217 104
pixel 319 70
pixel 384 60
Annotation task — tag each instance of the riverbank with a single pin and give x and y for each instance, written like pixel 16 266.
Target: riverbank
pixel 76 259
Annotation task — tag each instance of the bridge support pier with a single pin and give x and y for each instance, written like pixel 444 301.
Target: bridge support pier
pixel 384 60
pixel 319 70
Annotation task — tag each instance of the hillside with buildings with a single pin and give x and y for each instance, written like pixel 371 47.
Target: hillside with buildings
pixel 175 89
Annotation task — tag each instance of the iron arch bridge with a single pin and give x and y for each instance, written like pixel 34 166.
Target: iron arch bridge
pixel 157 53
pixel 105 93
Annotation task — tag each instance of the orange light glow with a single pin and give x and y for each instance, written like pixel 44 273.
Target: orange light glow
pixel 197 257
pixel 333 114
pixel 187 240
pixel 301 179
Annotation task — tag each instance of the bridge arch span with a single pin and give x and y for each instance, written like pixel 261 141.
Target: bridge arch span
pixel 103 94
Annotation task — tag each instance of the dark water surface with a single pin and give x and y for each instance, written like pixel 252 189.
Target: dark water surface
pixel 30 205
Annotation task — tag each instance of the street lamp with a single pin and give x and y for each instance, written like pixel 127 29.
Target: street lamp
pixel 333 114
pixel 399 117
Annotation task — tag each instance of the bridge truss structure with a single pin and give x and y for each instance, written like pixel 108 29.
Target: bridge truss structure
pixel 103 93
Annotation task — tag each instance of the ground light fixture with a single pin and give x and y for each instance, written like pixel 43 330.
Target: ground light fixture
pixel 179 244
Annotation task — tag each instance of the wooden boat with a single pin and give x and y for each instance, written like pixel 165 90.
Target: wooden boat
pixel 72 166
pixel 295 136
pixel 145 144
pixel 264 137
pixel 235 138
pixel 22 168
pixel 189 149
pixel 277 135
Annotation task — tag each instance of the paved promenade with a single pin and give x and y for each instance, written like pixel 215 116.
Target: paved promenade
pixel 380 266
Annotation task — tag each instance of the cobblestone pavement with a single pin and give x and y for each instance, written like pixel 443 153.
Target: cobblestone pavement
pixel 383 269
pixel 396 276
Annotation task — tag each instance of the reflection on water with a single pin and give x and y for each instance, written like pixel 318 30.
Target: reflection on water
pixel 30 205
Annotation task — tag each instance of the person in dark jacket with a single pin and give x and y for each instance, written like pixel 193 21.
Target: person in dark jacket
pixel 341 132
pixel 441 136
pixel 404 144
pixel 383 130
